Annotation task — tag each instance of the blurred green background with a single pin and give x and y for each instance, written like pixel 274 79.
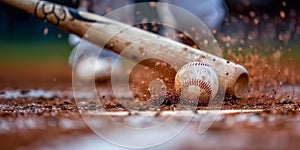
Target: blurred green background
pixel 26 40
pixel 33 51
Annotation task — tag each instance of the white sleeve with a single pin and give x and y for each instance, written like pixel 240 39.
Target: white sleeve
pixel 74 39
pixel 211 12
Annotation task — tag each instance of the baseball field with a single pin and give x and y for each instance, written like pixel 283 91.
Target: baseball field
pixel 39 108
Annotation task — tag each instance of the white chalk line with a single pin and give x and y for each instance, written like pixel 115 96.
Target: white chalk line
pixel 170 113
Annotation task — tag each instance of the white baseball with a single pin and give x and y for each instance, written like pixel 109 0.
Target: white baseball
pixel 197 80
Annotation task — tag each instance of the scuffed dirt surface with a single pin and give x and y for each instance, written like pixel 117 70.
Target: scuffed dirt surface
pixel 48 117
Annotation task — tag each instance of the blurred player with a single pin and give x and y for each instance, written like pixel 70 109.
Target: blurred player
pixel 211 12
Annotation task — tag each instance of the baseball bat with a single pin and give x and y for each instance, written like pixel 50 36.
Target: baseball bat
pixel 97 29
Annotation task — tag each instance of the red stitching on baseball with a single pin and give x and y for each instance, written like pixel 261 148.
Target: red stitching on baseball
pixel 193 64
pixel 202 84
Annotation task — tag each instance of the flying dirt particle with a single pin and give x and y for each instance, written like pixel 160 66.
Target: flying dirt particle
pixel 157 64
pixel 181 35
pixel 46 31
pixel 242 41
pixel 256 21
pixel 152 4
pixel 240 49
pixel 251 46
pixel 284 3
pixel 227 44
pixel 241 16
pixel 215 41
pixel 59 35
pixel 214 31
pixel 282 14
pixel 111 45
pixel 252 14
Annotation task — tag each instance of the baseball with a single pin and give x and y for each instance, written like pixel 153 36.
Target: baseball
pixel 196 80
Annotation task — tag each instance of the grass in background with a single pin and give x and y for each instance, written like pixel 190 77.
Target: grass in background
pixel 292 53
pixel 289 52
pixel 34 52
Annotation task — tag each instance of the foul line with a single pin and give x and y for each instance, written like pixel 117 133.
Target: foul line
pixel 169 113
